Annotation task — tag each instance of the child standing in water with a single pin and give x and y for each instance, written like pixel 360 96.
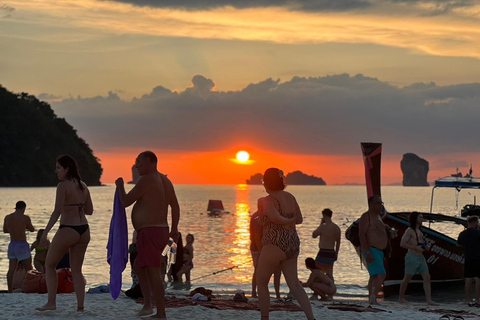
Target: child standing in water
pixel 40 252
pixel 187 259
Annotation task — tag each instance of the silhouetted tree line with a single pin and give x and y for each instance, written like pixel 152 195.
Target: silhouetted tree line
pixel 32 137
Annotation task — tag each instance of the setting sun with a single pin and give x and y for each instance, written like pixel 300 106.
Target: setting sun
pixel 243 156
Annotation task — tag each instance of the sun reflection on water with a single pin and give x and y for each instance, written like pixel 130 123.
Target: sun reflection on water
pixel 241 245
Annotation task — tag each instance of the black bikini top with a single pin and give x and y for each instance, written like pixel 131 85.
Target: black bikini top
pixel 80 206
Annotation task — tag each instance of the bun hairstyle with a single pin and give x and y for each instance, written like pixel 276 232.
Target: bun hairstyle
pixel 72 173
pixel 274 179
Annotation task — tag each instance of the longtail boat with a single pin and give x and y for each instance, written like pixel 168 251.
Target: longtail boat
pixel 445 259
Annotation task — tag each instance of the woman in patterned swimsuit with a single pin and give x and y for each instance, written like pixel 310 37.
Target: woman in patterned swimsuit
pixel 280 241
pixel 72 203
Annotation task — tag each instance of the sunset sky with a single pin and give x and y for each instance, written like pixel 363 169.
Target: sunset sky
pixel 296 83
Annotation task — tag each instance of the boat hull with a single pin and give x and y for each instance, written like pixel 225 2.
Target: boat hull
pixel 445 259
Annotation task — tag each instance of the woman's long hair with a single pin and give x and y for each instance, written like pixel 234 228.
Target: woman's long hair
pixel 39 234
pixel 68 162
pixel 412 219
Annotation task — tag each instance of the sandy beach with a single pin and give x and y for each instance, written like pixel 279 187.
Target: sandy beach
pixel 21 306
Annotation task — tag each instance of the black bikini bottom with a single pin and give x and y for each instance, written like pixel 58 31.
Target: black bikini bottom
pixel 80 229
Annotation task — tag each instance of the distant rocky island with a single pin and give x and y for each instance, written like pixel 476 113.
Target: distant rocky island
pixel 293 178
pixel 31 139
pixel 415 170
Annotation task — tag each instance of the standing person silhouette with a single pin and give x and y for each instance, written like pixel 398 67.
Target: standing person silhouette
pixel 18 250
pixel 72 204
pixel 280 241
pixel 256 234
pixel 373 240
pixel 152 194
pixel 415 262
pixel 328 244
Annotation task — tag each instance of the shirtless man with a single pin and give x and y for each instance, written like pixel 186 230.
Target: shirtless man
pixel 329 244
pixel 469 239
pixel 18 251
pixel 373 240
pixel 153 193
pixel 415 262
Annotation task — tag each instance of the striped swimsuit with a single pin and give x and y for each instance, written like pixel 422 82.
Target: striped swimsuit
pixel 286 239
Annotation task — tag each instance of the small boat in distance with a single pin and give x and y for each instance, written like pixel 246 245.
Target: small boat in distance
pixel 215 208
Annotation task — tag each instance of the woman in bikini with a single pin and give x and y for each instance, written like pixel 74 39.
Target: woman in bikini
pixel 187 259
pixel 280 242
pixel 72 203
pixel 40 252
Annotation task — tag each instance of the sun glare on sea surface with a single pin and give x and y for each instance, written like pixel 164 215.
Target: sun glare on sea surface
pixel 243 156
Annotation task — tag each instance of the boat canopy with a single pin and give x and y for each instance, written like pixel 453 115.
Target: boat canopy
pixel 458 183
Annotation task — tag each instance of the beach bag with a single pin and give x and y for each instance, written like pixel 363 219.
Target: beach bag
pixel 352 233
pixel 34 282
pixel 65 281
pixel 18 277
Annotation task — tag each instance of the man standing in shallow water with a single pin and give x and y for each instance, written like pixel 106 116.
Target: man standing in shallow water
pixel 328 244
pixel 153 193
pixel 18 250
pixel 373 240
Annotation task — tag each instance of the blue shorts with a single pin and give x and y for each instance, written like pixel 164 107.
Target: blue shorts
pixel 19 250
pixel 377 266
pixel 415 264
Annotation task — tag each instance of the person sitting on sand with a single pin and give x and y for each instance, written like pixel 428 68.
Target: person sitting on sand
pixel 40 252
pixel 72 204
pixel 415 262
pixel 320 283
pixel 18 250
pixel 187 259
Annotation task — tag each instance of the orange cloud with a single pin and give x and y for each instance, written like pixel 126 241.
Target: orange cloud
pixel 456 33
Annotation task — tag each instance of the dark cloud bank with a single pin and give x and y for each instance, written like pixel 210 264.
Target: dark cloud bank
pixel 325 115
pixel 435 6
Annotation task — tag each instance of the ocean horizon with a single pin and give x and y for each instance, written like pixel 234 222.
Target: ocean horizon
pixel 223 242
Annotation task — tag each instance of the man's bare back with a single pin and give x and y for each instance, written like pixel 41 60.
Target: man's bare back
pixel 329 233
pixel 15 224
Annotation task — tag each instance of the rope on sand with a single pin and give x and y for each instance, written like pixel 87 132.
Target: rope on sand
pixel 216 272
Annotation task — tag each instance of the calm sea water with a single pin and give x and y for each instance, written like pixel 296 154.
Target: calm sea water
pixel 223 242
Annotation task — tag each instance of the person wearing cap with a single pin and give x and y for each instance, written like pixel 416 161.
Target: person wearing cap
pixel 18 250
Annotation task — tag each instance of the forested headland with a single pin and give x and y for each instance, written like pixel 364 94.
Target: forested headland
pixel 32 137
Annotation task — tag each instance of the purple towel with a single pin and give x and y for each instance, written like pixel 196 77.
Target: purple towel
pixel 117 247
